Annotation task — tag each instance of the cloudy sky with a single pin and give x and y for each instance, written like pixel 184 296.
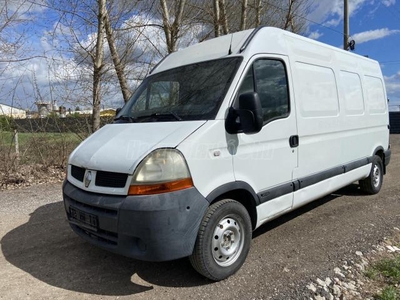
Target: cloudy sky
pixel 374 26
pixel 54 75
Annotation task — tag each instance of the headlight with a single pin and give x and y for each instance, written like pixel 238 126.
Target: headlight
pixel 162 171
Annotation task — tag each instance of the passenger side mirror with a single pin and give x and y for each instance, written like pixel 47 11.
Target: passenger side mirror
pixel 248 118
pixel 117 111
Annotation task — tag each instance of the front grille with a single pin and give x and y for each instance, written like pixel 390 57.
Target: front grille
pixel 111 179
pixel 77 172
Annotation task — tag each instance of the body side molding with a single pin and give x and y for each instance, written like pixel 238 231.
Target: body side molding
pixel 303 182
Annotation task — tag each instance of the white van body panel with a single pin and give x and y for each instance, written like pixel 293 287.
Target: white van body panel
pixel 208 154
pixel 320 189
pixel 120 147
pixel 329 123
pixel 273 209
pixel 266 153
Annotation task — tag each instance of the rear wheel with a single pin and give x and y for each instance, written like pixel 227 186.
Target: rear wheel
pixel 223 241
pixel 373 183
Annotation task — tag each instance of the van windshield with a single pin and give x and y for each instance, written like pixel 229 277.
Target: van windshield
pixel 192 92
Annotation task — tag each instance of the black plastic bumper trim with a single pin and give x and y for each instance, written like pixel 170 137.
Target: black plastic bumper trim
pixel 303 182
pixel 152 228
pixel 388 154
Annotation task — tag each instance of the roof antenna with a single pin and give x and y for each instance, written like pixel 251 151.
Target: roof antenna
pixel 230 46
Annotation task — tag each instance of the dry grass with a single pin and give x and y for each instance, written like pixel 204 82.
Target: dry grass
pixel 40 155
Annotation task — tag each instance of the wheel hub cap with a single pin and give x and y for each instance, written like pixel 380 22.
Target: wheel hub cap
pixel 227 241
pixel 376 178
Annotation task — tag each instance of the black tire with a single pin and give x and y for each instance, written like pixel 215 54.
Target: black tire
pixel 373 183
pixel 223 241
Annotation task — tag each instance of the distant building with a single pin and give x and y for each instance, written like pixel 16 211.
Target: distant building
pixel 6 110
pixel 45 108
pixel 107 112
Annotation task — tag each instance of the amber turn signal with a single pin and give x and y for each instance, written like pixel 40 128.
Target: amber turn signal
pixel 159 188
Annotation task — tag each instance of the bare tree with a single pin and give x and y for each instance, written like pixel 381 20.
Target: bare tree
pixel 258 7
pixel 243 19
pixel 171 30
pixel 98 64
pixel 294 19
pixel 119 66
pixel 10 15
pixel 216 18
pixel 224 16
pixel 93 34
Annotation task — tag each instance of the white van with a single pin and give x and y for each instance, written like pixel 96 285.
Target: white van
pixel 222 137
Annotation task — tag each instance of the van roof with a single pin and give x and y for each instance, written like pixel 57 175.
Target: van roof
pixel 263 39
pixel 207 50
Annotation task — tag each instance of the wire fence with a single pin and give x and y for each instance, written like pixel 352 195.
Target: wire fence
pixel 35 149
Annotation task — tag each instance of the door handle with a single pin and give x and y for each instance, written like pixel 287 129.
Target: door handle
pixel 294 141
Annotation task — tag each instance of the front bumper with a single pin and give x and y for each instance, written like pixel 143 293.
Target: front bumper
pixel 152 228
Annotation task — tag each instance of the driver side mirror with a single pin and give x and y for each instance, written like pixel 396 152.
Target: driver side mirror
pixel 248 118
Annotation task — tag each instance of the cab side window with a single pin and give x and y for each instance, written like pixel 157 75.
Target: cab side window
pixel 268 78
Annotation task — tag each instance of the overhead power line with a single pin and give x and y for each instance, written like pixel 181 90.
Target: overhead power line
pixel 309 20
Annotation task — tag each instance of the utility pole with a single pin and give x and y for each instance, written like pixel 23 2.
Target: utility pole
pixel 346 25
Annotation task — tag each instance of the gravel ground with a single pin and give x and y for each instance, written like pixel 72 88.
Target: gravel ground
pixel 41 258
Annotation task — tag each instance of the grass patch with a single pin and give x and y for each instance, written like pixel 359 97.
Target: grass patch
pixel 389 293
pixel 387 273
pixel 40 148
pixel 40 155
pixel 390 268
pixel 7 138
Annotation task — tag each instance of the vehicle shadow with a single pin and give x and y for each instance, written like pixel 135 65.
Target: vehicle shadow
pixel 46 248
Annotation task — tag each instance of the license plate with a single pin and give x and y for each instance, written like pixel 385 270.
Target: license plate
pixel 83 219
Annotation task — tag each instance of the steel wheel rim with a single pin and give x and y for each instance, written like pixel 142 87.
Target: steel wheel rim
pixel 376 176
pixel 227 241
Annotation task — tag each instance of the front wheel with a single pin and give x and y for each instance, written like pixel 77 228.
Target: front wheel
pixel 223 241
pixel 373 183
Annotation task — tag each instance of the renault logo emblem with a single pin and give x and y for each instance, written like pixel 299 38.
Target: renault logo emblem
pixel 88 178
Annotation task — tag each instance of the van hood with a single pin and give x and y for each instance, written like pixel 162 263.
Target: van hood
pixel 120 147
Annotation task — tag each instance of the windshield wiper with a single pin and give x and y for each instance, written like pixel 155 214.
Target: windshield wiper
pixel 125 118
pixel 162 115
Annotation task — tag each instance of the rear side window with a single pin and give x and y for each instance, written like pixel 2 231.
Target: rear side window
pixel 376 99
pixel 318 96
pixel 268 78
pixel 353 95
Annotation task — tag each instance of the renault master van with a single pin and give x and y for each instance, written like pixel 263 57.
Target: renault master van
pixel 222 137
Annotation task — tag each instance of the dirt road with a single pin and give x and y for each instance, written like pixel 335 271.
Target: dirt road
pixel 41 258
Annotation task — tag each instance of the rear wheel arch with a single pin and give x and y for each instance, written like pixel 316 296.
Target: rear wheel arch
pixel 379 151
pixel 373 183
